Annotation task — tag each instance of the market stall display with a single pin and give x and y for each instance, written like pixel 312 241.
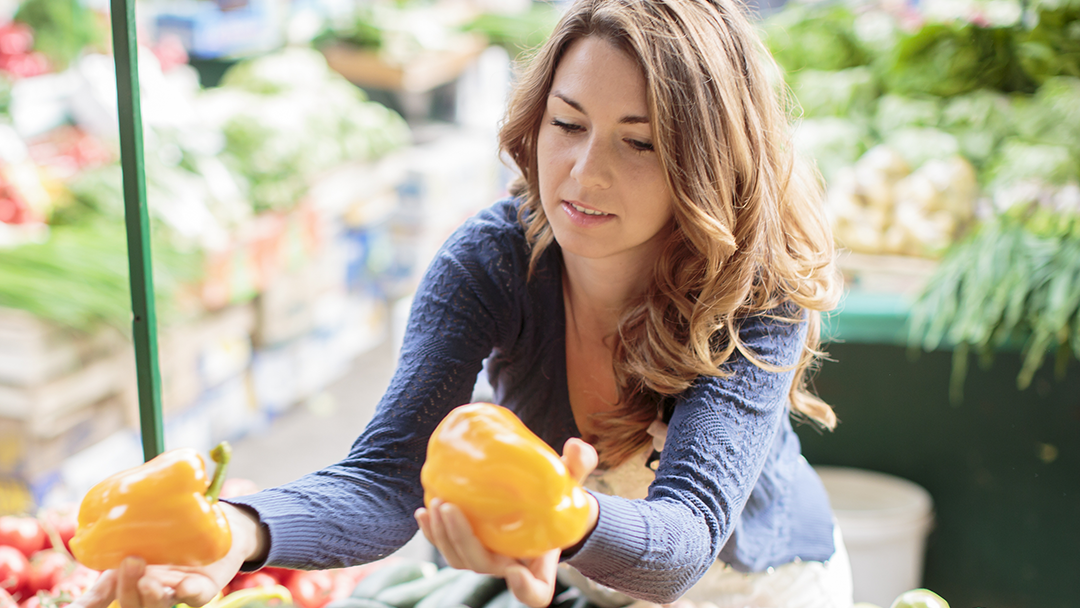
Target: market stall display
pixel 948 132
pixel 233 207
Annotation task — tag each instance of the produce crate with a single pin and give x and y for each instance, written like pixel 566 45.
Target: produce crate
pixel 194 357
pixel 44 408
pixel 33 351
pixel 27 455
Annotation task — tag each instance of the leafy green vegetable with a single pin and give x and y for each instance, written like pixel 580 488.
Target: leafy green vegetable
pixel 62 28
pixel 947 59
pixel 1052 46
pixel 286 117
pixel 361 31
pixel 920 144
pixel 896 112
pixel 79 277
pixel 517 33
pixel 818 36
pixel 1052 115
pixel 1021 161
pixel 979 120
pixel 1015 280
pixel 846 93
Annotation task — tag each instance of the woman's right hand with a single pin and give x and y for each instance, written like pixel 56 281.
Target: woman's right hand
pixel 137 585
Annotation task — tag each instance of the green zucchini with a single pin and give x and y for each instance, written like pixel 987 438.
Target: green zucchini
pixel 502 600
pixel 394 573
pixel 407 594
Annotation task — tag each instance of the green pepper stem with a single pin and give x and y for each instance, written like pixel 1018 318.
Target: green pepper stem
pixel 221 455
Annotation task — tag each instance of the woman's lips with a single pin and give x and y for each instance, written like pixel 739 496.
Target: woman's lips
pixel 582 218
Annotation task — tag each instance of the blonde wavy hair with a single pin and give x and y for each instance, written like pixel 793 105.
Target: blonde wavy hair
pixel 750 232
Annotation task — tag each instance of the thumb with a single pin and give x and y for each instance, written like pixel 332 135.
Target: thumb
pixel 580 458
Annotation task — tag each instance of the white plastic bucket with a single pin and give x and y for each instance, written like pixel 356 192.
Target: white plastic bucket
pixel 885 521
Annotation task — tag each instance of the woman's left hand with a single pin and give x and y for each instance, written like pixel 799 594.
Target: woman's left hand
pixel 532 581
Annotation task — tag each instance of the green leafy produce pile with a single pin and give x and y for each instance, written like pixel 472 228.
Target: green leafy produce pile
pixel 254 144
pixel 78 277
pixel 978 83
pixel 1000 90
pixel 62 28
pixel 1015 279
pixel 287 117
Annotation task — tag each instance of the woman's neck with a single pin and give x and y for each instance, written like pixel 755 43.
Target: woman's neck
pixel 596 291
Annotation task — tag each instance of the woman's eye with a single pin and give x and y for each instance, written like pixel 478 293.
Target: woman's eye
pixel 640 146
pixel 566 126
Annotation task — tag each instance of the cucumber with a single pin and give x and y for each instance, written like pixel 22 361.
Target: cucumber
pixel 470 589
pixel 356 602
pixel 513 602
pixel 502 600
pixel 394 573
pixel 406 595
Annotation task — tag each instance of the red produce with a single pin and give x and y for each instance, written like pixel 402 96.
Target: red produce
pixel 63 521
pixel 76 582
pixel 22 532
pixel 312 588
pixel 47 569
pixel 247 580
pixel 283 575
pixel 13 567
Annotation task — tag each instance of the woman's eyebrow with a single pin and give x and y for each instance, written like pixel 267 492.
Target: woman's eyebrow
pixel 631 119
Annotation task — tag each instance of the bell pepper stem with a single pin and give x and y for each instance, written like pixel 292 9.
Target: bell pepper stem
pixel 221 455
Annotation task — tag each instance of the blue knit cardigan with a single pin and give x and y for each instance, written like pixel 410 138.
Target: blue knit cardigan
pixel 731 484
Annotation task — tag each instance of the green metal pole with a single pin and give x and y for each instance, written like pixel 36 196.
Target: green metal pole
pixel 144 321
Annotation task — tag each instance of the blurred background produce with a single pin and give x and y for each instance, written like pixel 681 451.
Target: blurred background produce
pixel 304 159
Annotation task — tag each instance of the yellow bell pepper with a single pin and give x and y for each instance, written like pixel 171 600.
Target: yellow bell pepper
pixel 164 511
pixel 517 494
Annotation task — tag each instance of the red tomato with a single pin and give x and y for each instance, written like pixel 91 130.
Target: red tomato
pixel 282 575
pixel 47 569
pixel 22 532
pixel 311 588
pixel 62 520
pixel 76 582
pixel 13 567
pixel 247 580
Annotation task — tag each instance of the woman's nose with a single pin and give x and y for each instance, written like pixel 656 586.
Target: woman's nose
pixel 592 167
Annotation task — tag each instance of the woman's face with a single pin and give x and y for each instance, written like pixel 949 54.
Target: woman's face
pixel 601 184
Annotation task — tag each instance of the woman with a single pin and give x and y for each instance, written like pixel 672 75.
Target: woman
pixel 648 300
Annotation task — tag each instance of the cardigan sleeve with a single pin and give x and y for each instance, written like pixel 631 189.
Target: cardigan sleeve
pixel 361 509
pixel 719 437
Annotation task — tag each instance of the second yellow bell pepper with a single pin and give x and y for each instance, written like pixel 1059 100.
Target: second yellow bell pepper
pixel 164 511
pixel 517 494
